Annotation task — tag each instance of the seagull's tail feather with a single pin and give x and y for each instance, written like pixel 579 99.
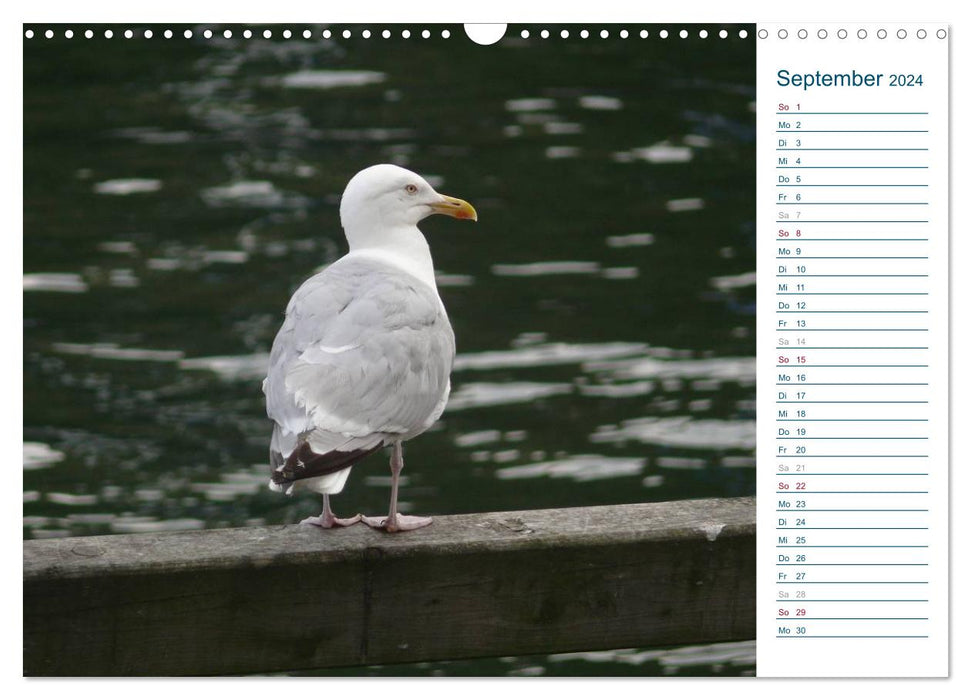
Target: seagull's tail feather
pixel 304 463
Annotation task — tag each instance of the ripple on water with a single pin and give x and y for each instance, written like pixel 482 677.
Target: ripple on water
pixel 681 431
pixel 328 79
pixel 125 186
pixel 479 437
pixel 163 264
pixel 505 456
pixel 379 481
pixel 555 152
pixel 122 277
pixel 150 495
pixel 234 484
pixel 118 247
pixel 71 499
pixel 546 354
pixel 252 193
pixel 528 671
pixel 38 455
pixel 697 140
pixel 617 391
pixel 729 282
pixel 621 273
pixel 130 524
pixel 658 153
pixel 565 267
pixel 39 534
pixel 562 128
pixel 90 518
pixel 687 204
pixel 535 118
pixel 530 104
pixel 630 240
pixel 600 102
pixel 226 257
pixel 688 463
pixel 734 653
pixel 479 394
pixel 443 279
pixel 231 367
pixel 578 468
pixel 738 462
pixel 152 135
pixel 373 134
pixel 111 351
pixel 740 370
pixel 224 492
pixel 68 282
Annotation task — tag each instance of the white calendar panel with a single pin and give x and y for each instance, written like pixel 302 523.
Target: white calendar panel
pixel 852 350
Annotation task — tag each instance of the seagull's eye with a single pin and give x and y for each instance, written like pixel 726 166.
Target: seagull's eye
pixel 411 189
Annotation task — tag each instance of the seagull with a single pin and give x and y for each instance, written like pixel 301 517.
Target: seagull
pixel 363 358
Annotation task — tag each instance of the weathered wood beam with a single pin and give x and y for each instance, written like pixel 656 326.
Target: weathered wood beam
pixel 254 600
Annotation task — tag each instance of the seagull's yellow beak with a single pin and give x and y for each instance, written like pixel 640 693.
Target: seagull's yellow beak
pixel 454 207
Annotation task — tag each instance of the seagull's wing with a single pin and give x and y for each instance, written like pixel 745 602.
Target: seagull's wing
pixel 364 355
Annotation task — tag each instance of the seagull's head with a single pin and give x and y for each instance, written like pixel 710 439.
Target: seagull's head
pixel 385 197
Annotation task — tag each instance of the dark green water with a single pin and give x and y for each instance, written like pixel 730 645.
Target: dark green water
pixel 177 191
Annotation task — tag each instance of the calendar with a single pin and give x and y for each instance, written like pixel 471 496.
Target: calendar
pixel 853 226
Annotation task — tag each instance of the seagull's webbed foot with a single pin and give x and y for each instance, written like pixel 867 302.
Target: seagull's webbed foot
pixel 328 521
pixel 397 522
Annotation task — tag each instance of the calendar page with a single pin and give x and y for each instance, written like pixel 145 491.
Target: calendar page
pixel 537 349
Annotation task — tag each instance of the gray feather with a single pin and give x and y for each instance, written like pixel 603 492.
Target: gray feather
pixel 363 357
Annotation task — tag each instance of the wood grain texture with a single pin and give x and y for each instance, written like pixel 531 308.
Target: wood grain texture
pixel 253 600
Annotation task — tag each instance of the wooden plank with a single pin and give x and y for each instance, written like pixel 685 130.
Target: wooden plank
pixel 252 600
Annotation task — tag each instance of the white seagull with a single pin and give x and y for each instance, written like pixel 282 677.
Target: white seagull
pixel 364 355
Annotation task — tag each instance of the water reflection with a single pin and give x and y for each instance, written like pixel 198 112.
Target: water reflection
pixel 722 659
pixel 69 282
pixel 671 660
pixel 123 186
pixel 479 394
pixel 259 194
pixel 658 153
pixel 327 79
pixel 37 455
pixel 681 432
pixel 578 468
pixel 546 268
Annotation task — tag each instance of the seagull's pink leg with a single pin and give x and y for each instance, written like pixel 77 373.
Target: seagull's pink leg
pixel 327 519
pixel 395 522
